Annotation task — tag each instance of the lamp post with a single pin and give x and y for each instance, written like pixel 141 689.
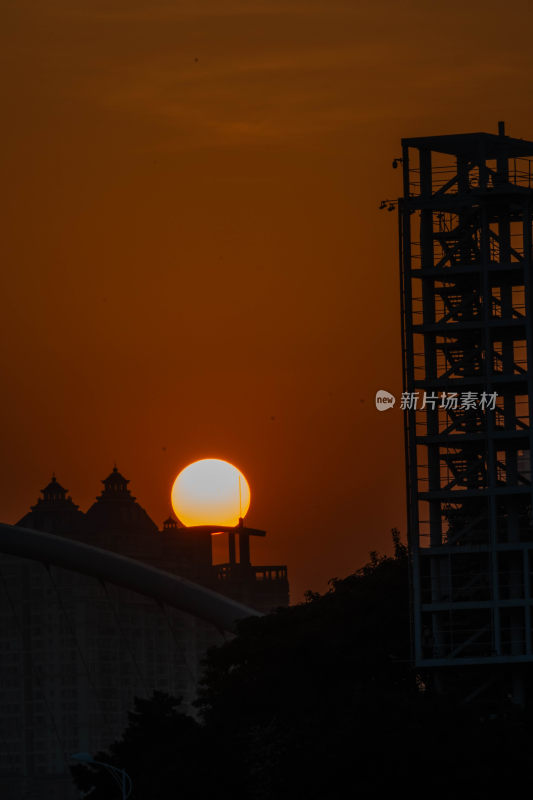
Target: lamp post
pixel 121 777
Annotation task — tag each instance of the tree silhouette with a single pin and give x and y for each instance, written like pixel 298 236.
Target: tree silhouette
pixel 161 747
pixel 320 700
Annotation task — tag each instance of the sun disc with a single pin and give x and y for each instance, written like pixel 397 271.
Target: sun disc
pixel 210 492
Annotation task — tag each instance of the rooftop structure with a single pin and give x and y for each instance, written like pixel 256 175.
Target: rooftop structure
pixel 467 324
pixel 74 650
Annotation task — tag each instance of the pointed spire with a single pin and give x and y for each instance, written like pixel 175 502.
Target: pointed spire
pixel 116 486
pixel 54 492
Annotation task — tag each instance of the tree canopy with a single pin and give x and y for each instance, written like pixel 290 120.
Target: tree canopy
pixel 314 698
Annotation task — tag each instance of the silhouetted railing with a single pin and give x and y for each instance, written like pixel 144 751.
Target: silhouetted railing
pixel 269 573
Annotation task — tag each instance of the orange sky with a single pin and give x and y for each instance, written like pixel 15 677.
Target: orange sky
pixel 194 264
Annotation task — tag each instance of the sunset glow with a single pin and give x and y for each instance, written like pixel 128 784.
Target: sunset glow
pixel 210 492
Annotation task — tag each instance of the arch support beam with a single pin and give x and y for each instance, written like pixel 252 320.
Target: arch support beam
pixel 127 572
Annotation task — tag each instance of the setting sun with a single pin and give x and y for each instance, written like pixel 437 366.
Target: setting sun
pixel 210 492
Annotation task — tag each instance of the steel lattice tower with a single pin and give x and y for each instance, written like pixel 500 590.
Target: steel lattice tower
pixel 465 247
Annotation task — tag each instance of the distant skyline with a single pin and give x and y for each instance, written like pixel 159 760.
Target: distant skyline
pixel 194 261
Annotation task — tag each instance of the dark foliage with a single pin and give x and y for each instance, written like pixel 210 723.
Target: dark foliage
pixel 319 700
pixel 161 747
pixel 306 692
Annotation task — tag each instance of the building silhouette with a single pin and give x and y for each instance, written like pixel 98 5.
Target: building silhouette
pixel 75 651
pixel 466 271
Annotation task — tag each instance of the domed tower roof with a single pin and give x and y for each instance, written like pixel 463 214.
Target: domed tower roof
pixel 116 510
pixel 53 492
pixel 54 512
pixel 115 487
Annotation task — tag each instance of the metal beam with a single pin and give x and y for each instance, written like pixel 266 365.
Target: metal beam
pixel 163 586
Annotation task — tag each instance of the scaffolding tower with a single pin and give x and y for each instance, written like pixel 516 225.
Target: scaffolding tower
pixel 465 222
